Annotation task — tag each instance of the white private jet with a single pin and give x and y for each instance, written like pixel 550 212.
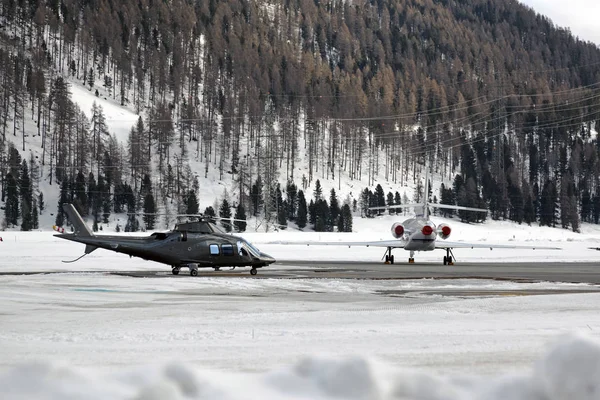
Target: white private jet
pixel 421 234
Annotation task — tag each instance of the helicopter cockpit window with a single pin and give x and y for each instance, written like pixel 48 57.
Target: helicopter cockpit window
pixel 251 249
pixel 241 250
pixel 214 249
pixel 227 249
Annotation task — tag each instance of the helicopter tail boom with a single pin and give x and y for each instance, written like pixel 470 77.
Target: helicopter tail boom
pixel 81 229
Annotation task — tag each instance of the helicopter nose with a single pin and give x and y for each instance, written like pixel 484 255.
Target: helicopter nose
pixel 266 259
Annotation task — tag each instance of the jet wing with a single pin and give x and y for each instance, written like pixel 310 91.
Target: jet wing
pixel 443 244
pixel 395 244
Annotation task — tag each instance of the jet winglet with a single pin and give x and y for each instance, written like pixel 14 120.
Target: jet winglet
pixel 81 229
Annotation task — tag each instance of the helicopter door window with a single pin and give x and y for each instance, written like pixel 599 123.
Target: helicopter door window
pixel 227 249
pixel 214 249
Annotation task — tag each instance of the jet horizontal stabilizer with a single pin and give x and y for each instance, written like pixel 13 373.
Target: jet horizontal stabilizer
pixel 396 206
pixel 433 205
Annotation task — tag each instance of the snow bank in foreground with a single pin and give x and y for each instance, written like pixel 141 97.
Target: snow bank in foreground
pixel 569 371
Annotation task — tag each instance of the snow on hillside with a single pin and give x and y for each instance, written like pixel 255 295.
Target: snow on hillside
pixel 212 189
pixel 119 119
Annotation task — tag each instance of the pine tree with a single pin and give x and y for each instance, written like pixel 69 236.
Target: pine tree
pixel 280 207
pixel 149 211
pixel 586 206
pixel 429 191
pixel 379 198
pixel 291 191
pixel 91 78
pixel 347 218
pixel 390 203
pixel 94 197
pixel 240 218
pixel 457 185
pixel 365 203
pixel 373 203
pixel 548 204
pixel 209 213
pixel 282 216
pixel 130 199
pixel 192 206
pixel 80 199
pixel 334 208
pixel 41 203
pixel 418 195
pixel 26 194
pixel 446 198
pixel 256 196
pixel 63 198
pixel 397 199
pixel 63 112
pixel 132 224
pixel 340 223
pixel 528 205
pixel 119 198
pixel 323 217
pixel 146 186
pixel 318 192
pixel 225 214
pixel 302 216
pixel 35 220
pixel 104 198
pixel 27 220
pixel 11 206
pixel 596 208
pixel 14 161
pixel 312 213
pixel 516 212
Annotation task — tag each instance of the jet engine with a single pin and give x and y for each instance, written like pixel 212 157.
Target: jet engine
pixel 397 230
pixel 444 231
pixel 427 230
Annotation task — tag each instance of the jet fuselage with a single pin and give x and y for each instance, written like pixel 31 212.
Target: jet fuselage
pixel 414 237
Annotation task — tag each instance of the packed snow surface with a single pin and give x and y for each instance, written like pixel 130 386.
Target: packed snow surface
pixel 569 370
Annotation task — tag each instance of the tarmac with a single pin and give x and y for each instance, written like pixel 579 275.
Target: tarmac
pixel 577 273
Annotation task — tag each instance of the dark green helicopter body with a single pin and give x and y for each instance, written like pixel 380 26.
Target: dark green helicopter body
pixel 198 244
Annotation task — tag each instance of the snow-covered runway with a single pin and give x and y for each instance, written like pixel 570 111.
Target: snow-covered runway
pixel 94 334
pixel 108 323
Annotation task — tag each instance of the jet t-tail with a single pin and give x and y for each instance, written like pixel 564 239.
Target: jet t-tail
pixel 197 244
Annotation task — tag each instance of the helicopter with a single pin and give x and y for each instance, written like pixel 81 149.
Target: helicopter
pixel 193 245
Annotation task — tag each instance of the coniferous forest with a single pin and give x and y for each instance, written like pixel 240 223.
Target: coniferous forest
pixel 502 103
